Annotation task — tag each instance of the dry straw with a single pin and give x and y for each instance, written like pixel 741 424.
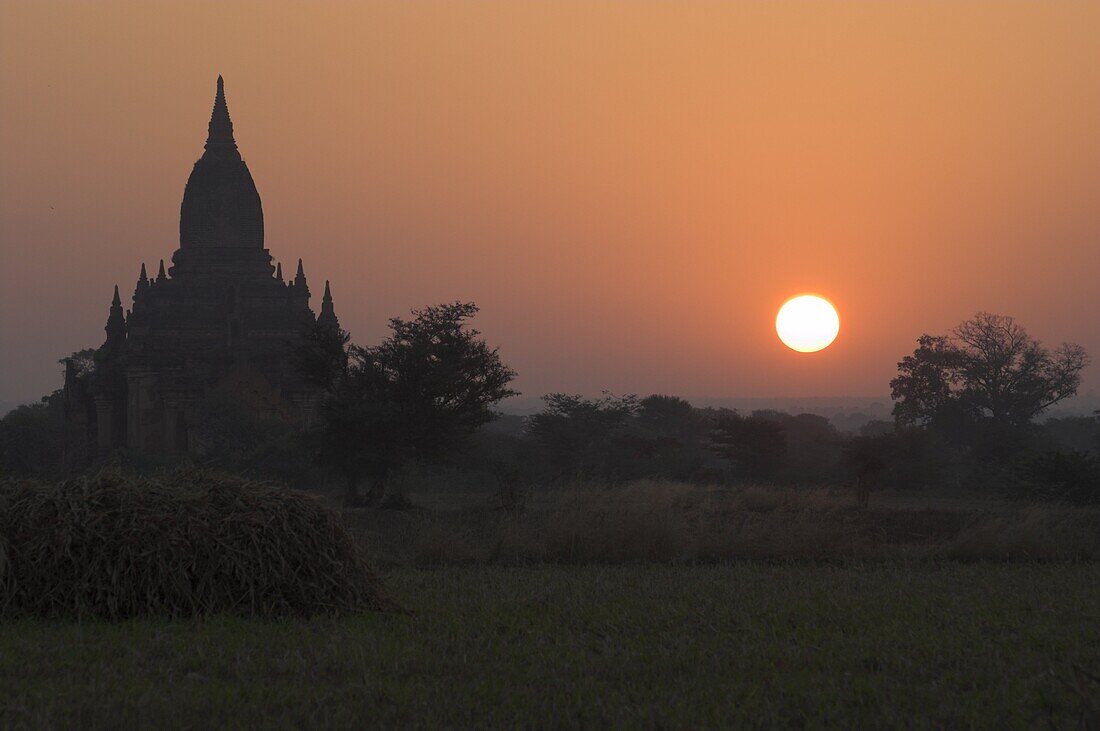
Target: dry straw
pixel 181 544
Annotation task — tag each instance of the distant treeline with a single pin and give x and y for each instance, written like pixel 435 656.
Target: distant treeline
pixel 967 416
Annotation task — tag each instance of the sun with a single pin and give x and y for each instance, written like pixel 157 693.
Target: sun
pixel 807 323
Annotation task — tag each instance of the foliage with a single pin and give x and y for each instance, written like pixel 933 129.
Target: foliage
pixel 923 459
pixel 672 416
pixel 657 520
pixel 83 362
pixel 32 439
pixel 585 437
pixel 868 456
pixel 321 358
pixel 418 395
pixel 780 447
pixel 989 373
pixel 237 422
pixel 756 444
pixel 1072 477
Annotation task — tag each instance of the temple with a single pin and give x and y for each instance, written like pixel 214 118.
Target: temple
pixel 219 319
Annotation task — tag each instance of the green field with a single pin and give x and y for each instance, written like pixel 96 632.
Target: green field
pixel 875 644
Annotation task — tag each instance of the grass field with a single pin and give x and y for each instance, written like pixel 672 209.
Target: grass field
pixel 923 643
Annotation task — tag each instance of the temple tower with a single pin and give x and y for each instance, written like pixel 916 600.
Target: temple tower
pixel 219 321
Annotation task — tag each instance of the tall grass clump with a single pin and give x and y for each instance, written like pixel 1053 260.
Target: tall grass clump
pixel 181 544
pixel 1036 532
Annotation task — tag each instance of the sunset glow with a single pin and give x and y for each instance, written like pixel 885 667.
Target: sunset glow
pixel 623 188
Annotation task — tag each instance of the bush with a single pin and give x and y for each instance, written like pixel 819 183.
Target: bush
pixel 32 440
pixel 184 544
pixel 1072 477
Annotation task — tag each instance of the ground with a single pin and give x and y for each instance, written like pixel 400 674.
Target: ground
pixel 850 643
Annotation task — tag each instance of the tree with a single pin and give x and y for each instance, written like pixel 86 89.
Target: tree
pixel 583 437
pixel 321 357
pixel 757 444
pixel 671 416
pixel 83 362
pixel 925 388
pixel 988 373
pixel 32 439
pixel 416 396
pixel 675 437
pixel 866 459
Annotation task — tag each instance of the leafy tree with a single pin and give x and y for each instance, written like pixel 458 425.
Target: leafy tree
pixel 244 426
pixel 988 380
pixel 671 416
pixel 32 439
pixel 83 361
pixel 321 358
pixel 584 437
pixel 755 443
pixel 676 439
pixel 925 388
pixel 415 396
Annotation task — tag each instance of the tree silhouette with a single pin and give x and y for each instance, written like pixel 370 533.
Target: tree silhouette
pixel 757 444
pixel 415 396
pixel 989 376
pixel 584 437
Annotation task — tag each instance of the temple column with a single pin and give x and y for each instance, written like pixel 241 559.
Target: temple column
pixel 104 420
pixel 133 412
pixel 141 402
pixel 172 416
pixel 176 407
pixel 307 410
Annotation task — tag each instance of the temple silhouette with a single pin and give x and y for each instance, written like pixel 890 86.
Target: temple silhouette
pixel 219 319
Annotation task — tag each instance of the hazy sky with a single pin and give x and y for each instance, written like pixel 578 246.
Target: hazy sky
pixel 629 190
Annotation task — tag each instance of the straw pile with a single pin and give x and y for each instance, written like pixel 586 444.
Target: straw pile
pixel 182 544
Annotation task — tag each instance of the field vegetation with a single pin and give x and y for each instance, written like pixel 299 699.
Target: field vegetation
pixel 682 523
pixel 855 645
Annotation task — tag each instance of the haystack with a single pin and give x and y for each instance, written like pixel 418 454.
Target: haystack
pixel 182 544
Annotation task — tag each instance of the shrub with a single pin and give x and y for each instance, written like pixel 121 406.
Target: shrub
pixel 182 544
pixel 1072 477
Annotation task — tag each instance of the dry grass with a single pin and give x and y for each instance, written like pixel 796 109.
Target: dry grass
pixel 1033 532
pixel 651 521
pixel 181 544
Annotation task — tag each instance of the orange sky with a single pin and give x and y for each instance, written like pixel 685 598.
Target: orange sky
pixel 629 190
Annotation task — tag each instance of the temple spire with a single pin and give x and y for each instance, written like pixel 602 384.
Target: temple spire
pixel 279 271
pixel 220 134
pixel 327 317
pixel 116 322
pixel 161 276
pixel 299 288
pixel 142 284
